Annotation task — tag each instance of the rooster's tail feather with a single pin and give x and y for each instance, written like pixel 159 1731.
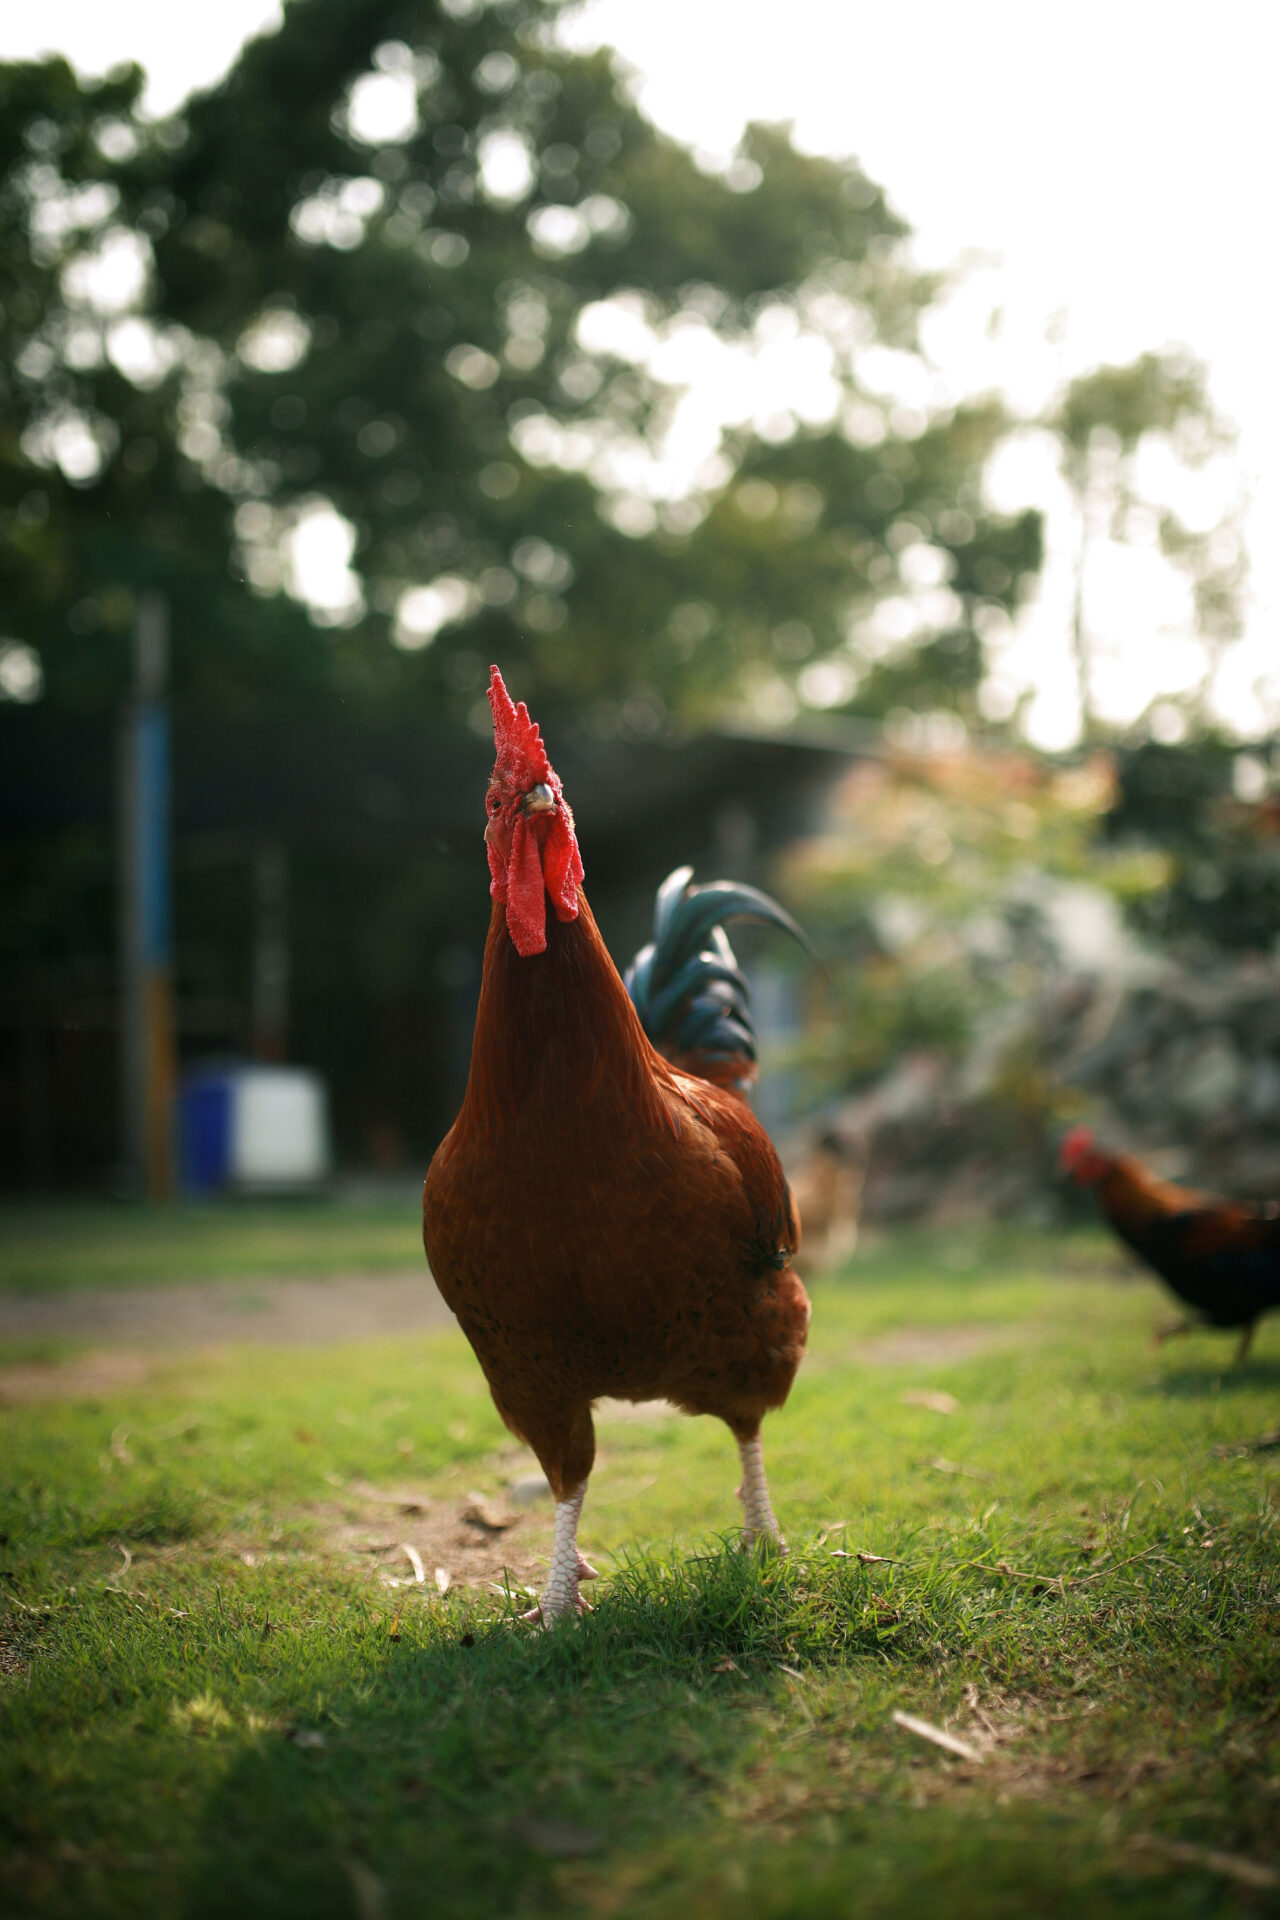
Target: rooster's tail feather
pixel 692 997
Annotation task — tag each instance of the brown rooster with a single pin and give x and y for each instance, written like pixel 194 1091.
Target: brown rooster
pixel 600 1222
pixel 1222 1257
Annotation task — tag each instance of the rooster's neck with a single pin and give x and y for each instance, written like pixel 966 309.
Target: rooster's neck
pixel 556 1031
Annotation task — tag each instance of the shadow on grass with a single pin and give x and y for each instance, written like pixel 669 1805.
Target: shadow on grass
pixel 686 1752
pixel 1202 1379
pixel 460 1768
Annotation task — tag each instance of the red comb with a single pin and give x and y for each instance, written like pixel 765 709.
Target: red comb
pixel 1079 1140
pixel 518 739
pixel 543 855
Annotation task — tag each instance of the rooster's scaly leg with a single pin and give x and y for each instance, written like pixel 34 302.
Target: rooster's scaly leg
pixel 1246 1341
pixel 1173 1331
pixel 560 1595
pixel 758 1518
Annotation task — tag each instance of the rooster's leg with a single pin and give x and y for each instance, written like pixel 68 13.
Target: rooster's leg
pixel 1173 1331
pixel 560 1595
pixel 758 1518
pixel 1246 1341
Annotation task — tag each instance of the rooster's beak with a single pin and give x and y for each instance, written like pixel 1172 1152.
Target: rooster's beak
pixel 539 799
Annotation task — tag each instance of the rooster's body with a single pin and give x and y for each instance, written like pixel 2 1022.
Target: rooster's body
pixel 600 1222
pixel 1221 1257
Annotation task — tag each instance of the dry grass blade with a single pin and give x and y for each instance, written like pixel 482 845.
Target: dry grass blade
pixel 925 1730
pixel 442 1580
pixel 415 1561
pixel 931 1397
pixel 941 1465
pixel 1040 1582
pixel 370 1894
pixel 1232 1866
pixel 1102 1573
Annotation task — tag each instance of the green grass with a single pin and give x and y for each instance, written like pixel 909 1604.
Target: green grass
pixel 187 1730
pixel 83 1244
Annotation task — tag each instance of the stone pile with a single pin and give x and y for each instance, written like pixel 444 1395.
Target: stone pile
pixel 1179 1067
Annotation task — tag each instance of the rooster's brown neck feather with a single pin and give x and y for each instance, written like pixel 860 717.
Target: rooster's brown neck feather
pixel 559 1028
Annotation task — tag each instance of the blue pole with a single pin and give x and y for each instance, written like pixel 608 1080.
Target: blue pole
pixel 146 918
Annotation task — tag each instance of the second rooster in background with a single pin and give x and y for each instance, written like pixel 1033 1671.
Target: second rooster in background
pixel 1221 1257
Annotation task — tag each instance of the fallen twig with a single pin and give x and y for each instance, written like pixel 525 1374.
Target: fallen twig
pixel 1059 1580
pixel 1100 1573
pixel 925 1730
pixel 1232 1866
pixel 1042 1582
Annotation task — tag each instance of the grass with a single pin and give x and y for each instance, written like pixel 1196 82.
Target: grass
pixel 83 1244
pixel 215 1704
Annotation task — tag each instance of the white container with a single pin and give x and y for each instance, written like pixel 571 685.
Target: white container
pixel 279 1129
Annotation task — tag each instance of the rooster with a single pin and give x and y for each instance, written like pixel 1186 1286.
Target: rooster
pixel 602 1220
pixel 1222 1257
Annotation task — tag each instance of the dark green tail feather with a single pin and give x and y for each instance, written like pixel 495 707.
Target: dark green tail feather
pixel 686 984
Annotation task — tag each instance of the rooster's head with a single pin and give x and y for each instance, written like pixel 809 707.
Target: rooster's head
pixel 1080 1158
pixel 529 834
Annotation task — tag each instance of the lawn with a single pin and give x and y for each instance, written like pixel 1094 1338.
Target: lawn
pixel 1010 1519
pixel 45 1248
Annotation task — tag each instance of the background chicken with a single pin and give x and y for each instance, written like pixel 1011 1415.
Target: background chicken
pixel 600 1221
pixel 1222 1257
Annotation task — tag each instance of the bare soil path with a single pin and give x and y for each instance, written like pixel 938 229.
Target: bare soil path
pixel 271 1311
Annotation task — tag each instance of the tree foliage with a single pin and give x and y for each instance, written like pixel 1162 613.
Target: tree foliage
pixel 421 265
pixel 1104 421
pixel 1213 812
pixel 938 891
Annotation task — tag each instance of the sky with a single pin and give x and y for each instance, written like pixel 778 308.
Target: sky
pixel 1107 173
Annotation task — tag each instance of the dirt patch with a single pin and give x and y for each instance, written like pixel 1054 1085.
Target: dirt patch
pixel 930 1346
pixel 284 1312
pixel 467 1540
pixel 83 1378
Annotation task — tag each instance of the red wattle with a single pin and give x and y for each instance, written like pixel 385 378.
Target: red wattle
pixel 526 893
pixel 562 864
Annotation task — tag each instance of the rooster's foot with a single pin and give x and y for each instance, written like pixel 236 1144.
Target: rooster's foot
pixel 546 1613
pixel 763 1545
pixel 585 1569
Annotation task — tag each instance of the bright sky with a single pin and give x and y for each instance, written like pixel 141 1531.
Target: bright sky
pixel 1112 164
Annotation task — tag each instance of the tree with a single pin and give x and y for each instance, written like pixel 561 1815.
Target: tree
pixel 1105 421
pixel 416 272
pixel 1213 814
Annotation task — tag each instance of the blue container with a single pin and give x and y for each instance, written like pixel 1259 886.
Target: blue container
pixel 205 1106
